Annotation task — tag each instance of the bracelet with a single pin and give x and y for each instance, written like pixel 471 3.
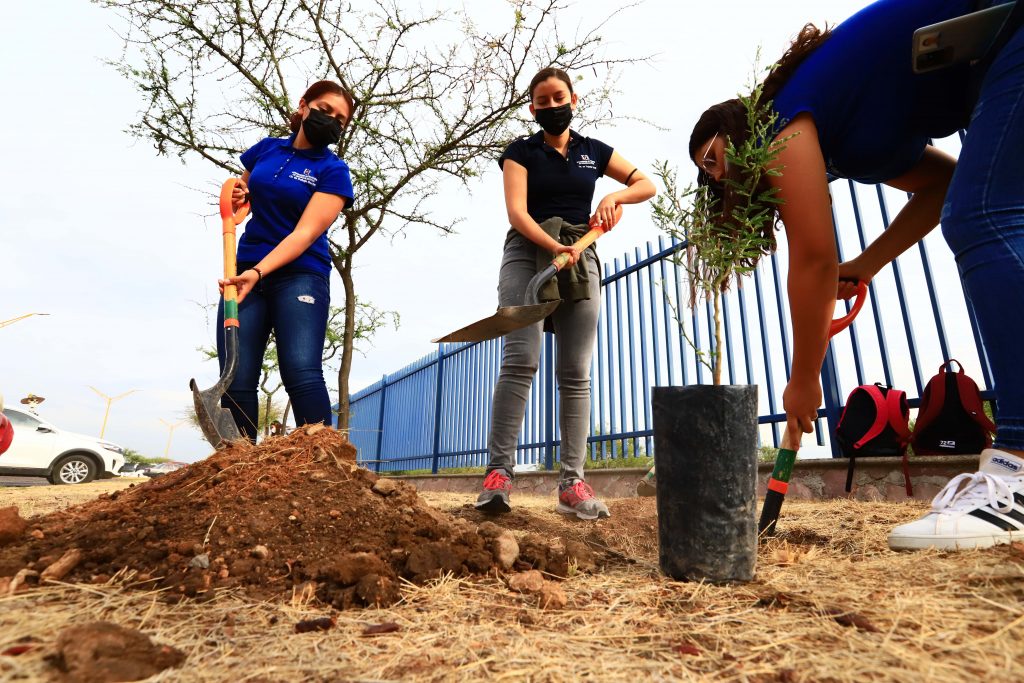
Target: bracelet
pixel 259 273
pixel 630 176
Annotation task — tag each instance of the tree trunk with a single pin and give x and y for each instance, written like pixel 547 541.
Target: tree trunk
pixel 284 417
pixel 345 270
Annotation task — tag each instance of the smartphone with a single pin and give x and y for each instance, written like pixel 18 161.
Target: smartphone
pixel 958 40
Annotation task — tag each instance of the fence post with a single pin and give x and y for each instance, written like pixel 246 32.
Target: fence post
pixel 549 403
pixel 380 422
pixel 438 395
pixel 833 400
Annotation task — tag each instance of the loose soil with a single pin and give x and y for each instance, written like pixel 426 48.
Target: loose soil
pixel 293 516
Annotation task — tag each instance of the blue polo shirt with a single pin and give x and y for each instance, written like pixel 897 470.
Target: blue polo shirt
pixel 874 115
pixel 282 180
pixel 557 185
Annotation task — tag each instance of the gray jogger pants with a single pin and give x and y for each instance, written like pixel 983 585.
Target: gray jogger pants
pixel 575 325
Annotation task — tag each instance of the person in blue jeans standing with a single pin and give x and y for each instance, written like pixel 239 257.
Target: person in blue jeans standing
pixel 296 188
pixel 851 106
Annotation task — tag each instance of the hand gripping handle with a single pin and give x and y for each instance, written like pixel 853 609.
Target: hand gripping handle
pixel 596 230
pixel 840 324
pixel 225 204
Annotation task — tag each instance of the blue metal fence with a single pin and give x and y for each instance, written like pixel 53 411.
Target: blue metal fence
pixel 434 414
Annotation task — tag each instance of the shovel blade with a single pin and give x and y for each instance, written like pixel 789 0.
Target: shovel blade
pixel 506 319
pixel 216 422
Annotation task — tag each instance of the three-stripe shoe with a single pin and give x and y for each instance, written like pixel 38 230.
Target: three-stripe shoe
pixel 973 510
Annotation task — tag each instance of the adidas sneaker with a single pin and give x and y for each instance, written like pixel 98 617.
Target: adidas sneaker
pixel 973 510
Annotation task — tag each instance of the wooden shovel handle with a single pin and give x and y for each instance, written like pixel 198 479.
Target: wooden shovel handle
pixel 229 221
pixel 596 230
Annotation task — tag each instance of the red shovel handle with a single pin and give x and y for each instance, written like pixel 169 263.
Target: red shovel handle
pixel 840 324
pixel 596 230
pixel 225 202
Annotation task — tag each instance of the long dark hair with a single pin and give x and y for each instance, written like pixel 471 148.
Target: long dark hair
pixel 729 119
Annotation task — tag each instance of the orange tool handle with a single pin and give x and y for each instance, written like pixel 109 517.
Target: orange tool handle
pixel 596 230
pixel 225 203
pixel 840 324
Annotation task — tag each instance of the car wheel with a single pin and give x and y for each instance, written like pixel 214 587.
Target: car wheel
pixel 73 469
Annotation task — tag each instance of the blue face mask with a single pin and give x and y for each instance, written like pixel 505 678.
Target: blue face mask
pixel 554 120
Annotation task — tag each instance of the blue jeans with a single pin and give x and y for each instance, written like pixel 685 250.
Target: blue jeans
pixel 983 223
pixel 295 306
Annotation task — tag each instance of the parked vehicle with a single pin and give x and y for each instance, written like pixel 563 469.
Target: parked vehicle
pixel 132 469
pixel 39 449
pixel 163 468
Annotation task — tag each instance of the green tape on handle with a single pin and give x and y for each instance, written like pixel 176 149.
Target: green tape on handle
pixel 784 465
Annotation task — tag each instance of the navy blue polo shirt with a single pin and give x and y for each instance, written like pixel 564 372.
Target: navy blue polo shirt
pixel 556 185
pixel 282 180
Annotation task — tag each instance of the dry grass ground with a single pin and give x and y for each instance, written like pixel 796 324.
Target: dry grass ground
pixel 830 603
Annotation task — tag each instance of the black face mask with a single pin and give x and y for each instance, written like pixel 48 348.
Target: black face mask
pixel 554 120
pixel 320 129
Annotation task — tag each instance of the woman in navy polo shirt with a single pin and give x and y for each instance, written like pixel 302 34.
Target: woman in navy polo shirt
pixel 856 110
pixel 296 187
pixel 549 183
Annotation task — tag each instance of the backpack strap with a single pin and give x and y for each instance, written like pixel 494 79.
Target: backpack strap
pixel 895 400
pixel 936 395
pixel 881 416
pixel 971 400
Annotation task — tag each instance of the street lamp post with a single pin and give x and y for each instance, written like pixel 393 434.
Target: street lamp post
pixel 109 400
pixel 170 433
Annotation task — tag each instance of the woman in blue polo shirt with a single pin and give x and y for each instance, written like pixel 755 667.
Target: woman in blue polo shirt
pixel 851 106
pixel 549 183
pixel 296 187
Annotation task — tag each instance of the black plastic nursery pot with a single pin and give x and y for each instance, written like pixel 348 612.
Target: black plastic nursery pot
pixel 705 452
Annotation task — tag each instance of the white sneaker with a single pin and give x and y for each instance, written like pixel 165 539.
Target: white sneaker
pixel 987 510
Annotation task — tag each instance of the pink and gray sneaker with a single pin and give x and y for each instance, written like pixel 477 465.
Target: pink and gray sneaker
pixel 973 510
pixel 577 498
pixel 494 497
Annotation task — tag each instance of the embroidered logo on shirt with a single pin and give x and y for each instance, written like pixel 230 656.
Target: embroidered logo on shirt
pixel 305 177
pixel 586 162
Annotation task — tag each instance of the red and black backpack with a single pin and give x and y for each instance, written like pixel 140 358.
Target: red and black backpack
pixel 874 423
pixel 951 419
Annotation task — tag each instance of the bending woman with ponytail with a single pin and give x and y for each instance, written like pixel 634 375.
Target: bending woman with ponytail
pixel 855 109
pixel 297 187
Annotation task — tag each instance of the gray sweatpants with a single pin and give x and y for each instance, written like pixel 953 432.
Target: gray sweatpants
pixel 575 331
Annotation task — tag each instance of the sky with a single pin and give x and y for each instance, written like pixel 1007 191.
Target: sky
pixel 120 247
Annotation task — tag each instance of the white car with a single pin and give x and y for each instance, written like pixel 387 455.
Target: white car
pixel 41 450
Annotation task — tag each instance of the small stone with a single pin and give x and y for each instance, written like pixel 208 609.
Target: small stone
pixel 335 514
pixel 38 534
pixel 12 526
pixel 505 549
pixel 552 596
pixel 59 569
pixel 319 475
pixel 292 518
pixel 385 487
pixel 260 552
pixel 531 581
pixel 99 578
pixel 223 573
pixel 314 428
pixel 200 562
pixel 198 549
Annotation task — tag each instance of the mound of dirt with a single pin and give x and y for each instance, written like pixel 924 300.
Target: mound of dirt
pixel 291 517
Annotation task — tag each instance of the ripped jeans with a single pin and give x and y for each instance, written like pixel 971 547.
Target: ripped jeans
pixel 295 306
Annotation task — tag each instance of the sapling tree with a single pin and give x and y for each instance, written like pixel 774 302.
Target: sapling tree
pixel 724 239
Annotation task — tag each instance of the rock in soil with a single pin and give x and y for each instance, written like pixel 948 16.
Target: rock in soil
pixel 291 515
pixel 552 596
pixel 527 582
pixel 12 526
pixel 101 652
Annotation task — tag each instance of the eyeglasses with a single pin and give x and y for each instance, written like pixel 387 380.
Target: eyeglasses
pixel 708 163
